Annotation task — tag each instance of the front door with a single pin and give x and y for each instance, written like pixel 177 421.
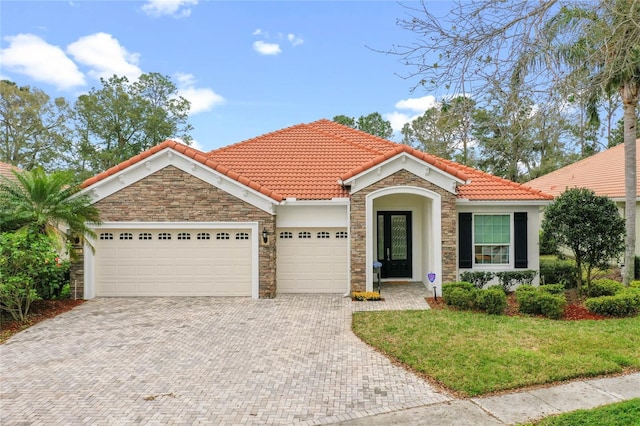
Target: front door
pixel 394 244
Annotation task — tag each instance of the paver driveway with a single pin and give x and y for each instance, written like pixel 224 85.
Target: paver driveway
pixel 289 360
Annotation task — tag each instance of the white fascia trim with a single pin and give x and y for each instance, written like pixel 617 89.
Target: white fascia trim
pixel 89 255
pixel 331 202
pixel 170 157
pixel 466 202
pixel 404 161
pixel 622 200
pixel 435 233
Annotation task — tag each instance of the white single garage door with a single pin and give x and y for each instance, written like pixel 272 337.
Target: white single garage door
pixel 312 260
pixel 173 262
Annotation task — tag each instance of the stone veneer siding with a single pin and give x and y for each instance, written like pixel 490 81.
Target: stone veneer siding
pixel 171 195
pixel 358 226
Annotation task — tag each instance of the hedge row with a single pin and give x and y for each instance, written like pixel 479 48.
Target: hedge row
pixel 612 298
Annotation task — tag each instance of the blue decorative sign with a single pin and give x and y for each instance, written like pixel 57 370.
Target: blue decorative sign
pixel 431 276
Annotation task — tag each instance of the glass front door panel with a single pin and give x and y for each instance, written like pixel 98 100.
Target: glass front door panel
pixel 398 237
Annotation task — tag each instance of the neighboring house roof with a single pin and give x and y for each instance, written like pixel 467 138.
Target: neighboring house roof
pixel 307 161
pixel 603 173
pixel 6 170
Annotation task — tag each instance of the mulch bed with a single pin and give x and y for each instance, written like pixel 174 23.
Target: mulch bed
pixel 575 310
pixel 40 310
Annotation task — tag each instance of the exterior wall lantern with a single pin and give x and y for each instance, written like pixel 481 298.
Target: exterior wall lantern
pixel 265 236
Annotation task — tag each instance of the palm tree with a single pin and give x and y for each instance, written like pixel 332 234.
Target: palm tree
pixel 46 204
pixel 605 48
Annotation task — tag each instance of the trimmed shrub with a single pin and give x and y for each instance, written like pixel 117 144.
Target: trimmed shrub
pixel 634 284
pixel 539 301
pixel 624 304
pixel 551 305
pixel 447 287
pixel 509 279
pixel 553 288
pixel 604 287
pixel 492 300
pixel 478 278
pixel 636 266
pixel 460 298
pixel 527 300
pixel 558 271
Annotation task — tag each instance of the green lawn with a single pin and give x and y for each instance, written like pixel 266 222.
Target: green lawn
pixel 620 414
pixel 475 354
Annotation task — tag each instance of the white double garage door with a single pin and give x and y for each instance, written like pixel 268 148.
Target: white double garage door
pixel 215 261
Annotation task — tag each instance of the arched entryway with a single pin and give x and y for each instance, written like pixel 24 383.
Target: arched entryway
pixel 403 231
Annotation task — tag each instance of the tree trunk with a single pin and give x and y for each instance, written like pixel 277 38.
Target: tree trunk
pixel 629 94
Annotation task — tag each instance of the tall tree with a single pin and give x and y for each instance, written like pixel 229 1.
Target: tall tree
pixel 543 44
pixel 602 40
pixel 373 124
pixel 444 130
pixel 34 129
pixel 122 119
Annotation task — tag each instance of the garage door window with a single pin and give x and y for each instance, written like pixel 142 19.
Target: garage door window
pixel 285 235
pixel 304 235
pixel 106 236
pixel 341 234
pixel 164 236
pixel 184 236
pixel 126 236
pixel 324 235
pixel 242 236
pixel 204 236
pixel 222 236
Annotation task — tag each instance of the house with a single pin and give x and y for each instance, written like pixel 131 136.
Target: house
pixel 306 209
pixel 603 173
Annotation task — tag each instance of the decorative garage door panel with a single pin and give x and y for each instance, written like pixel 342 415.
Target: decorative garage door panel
pixel 312 260
pixel 173 262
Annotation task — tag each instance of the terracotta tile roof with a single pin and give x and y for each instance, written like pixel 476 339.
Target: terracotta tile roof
pixel 603 173
pixel 198 156
pixel 306 161
pixel 5 170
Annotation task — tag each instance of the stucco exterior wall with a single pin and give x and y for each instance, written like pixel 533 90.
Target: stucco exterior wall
pixel 533 228
pixel 171 195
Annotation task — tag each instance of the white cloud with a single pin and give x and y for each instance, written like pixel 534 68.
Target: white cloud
pixel 417 104
pixel 105 56
pixel 30 55
pixel 202 99
pixel 258 32
pixel 412 108
pixel 175 8
pixel 294 40
pixel 265 48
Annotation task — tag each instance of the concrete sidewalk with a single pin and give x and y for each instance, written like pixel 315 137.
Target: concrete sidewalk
pixel 514 408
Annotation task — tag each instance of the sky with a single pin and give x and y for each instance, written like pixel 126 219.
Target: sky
pixel 247 67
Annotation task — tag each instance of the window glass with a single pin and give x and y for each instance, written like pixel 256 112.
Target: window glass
pixel 492 238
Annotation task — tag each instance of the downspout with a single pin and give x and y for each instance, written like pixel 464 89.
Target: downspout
pixel 348 293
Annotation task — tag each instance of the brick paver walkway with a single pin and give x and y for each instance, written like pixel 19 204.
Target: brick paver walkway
pixel 290 360
pixel 397 297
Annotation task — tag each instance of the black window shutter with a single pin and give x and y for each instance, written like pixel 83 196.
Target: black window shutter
pixel 520 240
pixel 465 249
